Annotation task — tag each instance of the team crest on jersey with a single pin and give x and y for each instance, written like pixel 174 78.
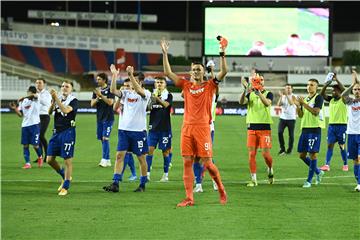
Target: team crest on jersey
pixel 132 100
pixel 355 108
pixel 200 90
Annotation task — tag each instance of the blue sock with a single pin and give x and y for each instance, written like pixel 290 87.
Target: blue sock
pixel 131 164
pixel 357 173
pixel 26 154
pixel 312 169
pixel 197 172
pixel 329 154
pixel 143 180
pixel 149 159
pixel 38 151
pixel 105 149
pixel 66 184
pixel 166 164
pixel 344 156
pixel 61 172
pixel 126 161
pixel 117 178
pixel 170 156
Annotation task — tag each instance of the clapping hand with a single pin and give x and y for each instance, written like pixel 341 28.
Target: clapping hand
pixel 113 70
pixel 53 93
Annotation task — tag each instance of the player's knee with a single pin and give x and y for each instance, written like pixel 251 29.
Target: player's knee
pixel 166 152
pixel 302 156
pixel 330 145
pixel 26 145
pixel 105 139
pixel 265 154
pixel 342 146
pixel 313 156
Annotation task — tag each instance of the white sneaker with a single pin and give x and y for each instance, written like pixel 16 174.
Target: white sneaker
pixel 164 178
pixel 215 185
pixel 357 189
pixel 198 188
pixel 105 163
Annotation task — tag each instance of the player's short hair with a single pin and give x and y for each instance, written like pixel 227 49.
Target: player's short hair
pixel 140 76
pixel 69 82
pixel 288 84
pixel 40 79
pixel 255 52
pixel 127 80
pixel 103 76
pixel 336 87
pixel 198 63
pixel 32 89
pixel 294 35
pixel 160 78
pixel 314 80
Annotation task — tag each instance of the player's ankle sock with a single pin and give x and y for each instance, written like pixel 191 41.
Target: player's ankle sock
pixel 356 172
pixel 38 151
pixel 268 159
pixel 344 156
pixel 131 164
pixel 188 178
pixel 105 149
pixel 214 173
pixel 166 164
pixel 117 178
pixel 26 154
pixel 149 159
pixel 329 154
pixel 253 176
pixel 143 180
pixel 197 171
pixel 66 184
pixel 252 161
pixel 61 172
pixel 312 169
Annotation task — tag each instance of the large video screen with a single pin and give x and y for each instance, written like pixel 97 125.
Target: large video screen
pixel 268 31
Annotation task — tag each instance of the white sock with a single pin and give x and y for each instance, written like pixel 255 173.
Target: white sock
pixel 253 176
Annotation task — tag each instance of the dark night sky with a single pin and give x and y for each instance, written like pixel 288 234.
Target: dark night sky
pixel 171 15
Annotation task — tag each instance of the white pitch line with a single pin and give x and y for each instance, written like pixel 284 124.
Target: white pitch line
pixel 284 180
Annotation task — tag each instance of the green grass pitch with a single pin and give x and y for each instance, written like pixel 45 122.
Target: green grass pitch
pixel 31 208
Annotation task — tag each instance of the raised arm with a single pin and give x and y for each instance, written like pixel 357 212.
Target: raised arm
pixel 223 66
pixel 341 86
pixel 323 90
pixel 243 99
pixel 115 73
pixel 167 69
pixel 345 94
pixel 13 106
pixel 63 108
pixel 137 87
